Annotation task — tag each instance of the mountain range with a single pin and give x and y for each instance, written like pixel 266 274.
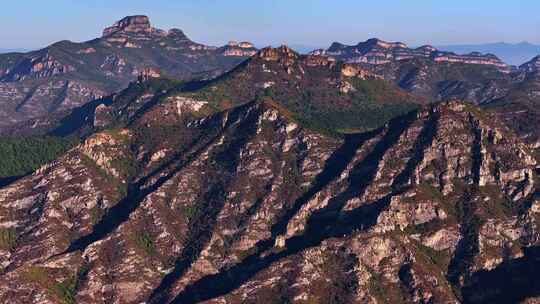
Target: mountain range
pixel 60 77
pixel 2 51
pixel 367 173
pixel 511 53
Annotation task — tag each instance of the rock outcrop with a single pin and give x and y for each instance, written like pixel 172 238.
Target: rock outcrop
pixel 248 205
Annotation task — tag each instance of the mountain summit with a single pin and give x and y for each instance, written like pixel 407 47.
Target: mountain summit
pixel 44 85
pixel 130 24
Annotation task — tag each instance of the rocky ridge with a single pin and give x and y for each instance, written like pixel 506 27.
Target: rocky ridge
pixel 376 51
pixel 247 205
pixel 329 95
pixel 431 75
pixel 48 83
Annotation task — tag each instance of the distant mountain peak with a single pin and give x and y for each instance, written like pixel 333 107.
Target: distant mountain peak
pixel 376 51
pixel 239 49
pixel 276 54
pixel 382 44
pixel 242 44
pixel 176 33
pixel 427 48
pixel 130 24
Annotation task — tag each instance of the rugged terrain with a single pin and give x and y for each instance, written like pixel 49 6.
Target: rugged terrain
pixel 372 173
pixel 48 83
pixel 325 94
pixel 435 75
pixel 183 195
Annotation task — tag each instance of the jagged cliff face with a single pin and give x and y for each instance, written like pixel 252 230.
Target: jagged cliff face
pixel 48 83
pixel 247 205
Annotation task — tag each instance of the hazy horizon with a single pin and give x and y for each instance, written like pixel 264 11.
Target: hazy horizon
pixel 302 22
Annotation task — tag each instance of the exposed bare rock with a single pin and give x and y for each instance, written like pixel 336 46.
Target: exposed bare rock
pixel 247 205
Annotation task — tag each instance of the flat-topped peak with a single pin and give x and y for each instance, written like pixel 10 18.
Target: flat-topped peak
pixel 133 24
pixel 239 49
pixel 427 47
pixel 383 44
pixel 242 44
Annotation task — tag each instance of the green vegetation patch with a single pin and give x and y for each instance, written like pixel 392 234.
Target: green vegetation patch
pixel 496 203
pixel 111 181
pixel 430 192
pixel 191 212
pixel 65 291
pixel 145 242
pixel 439 258
pixel 20 156
pixel 8 238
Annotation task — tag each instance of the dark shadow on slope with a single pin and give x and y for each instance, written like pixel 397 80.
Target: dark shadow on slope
pixel 476 152
pixel 406 278
pixel 6 181
pixel 364 172
pixel 325 223
pixel 216 285
pixel 468 247
pixel 511 282
pixel 60 98
pixel 27 98
pixel 121 211
pixel 425 138
pixel 79 118
pixel 201 229
pixel 333 167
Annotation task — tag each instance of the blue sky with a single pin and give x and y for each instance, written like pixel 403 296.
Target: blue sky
pixel 36 23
